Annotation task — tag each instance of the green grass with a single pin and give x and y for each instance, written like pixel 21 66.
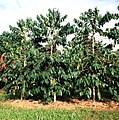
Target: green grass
pixel 15 113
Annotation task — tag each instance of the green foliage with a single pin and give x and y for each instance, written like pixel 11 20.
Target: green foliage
pixel 84 67
pixel 113 33
pixel 94 65
pixel 4 97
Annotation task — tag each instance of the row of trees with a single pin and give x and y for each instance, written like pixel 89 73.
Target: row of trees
pixel 84 68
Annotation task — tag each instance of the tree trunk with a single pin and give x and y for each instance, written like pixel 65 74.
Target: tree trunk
pixel 55 97
pixel 51 53
pixel 23 89
pixel 93 93
pixel 93 51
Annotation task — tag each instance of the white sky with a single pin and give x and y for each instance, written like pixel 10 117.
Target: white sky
pixel 13 10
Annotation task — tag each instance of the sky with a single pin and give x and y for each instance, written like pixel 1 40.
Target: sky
pixel 13 10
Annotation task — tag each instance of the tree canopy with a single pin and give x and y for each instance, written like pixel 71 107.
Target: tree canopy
pixel 35 68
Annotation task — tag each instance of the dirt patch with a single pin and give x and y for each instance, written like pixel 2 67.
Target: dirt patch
pixel 73 104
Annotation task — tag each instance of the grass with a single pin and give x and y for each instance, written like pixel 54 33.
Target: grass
pixel 8 112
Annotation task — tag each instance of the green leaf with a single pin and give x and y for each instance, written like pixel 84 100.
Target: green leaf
pixel 46 81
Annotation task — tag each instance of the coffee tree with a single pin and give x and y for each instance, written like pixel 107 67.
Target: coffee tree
pixel 51 31
pixel 37 69
pixel 38 72
pixel 89 56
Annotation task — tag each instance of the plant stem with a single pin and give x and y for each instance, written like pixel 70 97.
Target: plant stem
pixel 93 51
pixel 54 96
pixel 51 53
pixel 93 93
pixel 23 89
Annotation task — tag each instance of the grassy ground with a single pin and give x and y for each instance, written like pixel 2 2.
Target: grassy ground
pixel 14 113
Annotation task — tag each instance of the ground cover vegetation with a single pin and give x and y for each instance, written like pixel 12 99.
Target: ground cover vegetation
pixel 15 113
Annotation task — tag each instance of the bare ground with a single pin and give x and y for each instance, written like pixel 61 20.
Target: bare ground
pixel 73 104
